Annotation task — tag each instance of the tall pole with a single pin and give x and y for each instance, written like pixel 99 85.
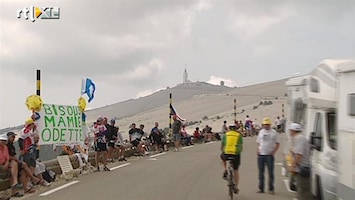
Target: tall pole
pixel 283 111
pixel 38 87
pixel 235 110
pixel 170 111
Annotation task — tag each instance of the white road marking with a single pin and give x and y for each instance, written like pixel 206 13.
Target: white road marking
pixel 152 159
pixel 113 168
pixel 156 155
pixel 287 186
pixel 58 188
pixel 210 142
pixel 294 199
pixel 187 147
pixel 278 164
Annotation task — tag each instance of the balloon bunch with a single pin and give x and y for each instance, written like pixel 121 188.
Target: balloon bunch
pixel 82 107
pixel 34 103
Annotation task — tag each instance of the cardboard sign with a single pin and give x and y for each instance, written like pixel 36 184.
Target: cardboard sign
pixel 60 124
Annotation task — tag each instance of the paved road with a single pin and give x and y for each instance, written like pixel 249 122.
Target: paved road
pixel 191 174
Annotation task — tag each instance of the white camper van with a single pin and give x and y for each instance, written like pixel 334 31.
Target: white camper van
pixel 312 101
pixel 346 131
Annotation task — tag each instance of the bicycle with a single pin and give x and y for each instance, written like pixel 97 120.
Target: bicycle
pixel 230 178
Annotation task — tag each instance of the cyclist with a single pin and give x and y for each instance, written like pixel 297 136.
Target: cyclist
pixel 232 146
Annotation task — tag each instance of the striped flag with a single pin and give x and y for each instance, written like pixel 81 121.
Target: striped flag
pixel 173 112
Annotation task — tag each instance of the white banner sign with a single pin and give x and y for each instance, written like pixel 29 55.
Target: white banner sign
pixel 60 124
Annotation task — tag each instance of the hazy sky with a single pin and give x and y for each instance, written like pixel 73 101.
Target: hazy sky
pixel 134 47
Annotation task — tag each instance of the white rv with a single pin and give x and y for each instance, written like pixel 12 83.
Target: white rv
pixel 312 101
pixel 346 131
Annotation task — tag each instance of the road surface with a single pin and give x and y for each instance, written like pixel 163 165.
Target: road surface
pixel 194 173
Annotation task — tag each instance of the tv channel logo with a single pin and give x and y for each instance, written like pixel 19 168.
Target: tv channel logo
pixel 35 12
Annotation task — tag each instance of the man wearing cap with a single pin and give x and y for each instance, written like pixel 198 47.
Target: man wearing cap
pixel 26 143
pixel 267 145
pixel 6 164
pixel 300 162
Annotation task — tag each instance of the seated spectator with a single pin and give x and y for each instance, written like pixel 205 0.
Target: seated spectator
pixel 8 165
pixel 207 133
pixel 198 134
pixel 185 136
pixel 157 138
pixel 120 145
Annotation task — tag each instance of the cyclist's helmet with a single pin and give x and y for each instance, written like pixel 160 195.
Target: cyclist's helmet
pixel 232 127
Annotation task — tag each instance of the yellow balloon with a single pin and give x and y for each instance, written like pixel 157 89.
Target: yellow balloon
pixel 34 102
pixel 82 104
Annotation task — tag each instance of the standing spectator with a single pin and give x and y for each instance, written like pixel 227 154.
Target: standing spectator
pixel 224 127
pixel 278 124
pixel 27 144
pixel 100 132
pixel 300 162
pixel 120 145
pixel 112 138
pixel 268 144
pixel 247 126
pixel 135 136
pixel 176 132
pixel 157 138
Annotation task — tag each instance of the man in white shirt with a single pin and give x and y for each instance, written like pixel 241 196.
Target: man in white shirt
pixel 268 144
pixel 300 162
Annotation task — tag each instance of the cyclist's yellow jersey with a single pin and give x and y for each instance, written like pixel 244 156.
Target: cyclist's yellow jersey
pixel 232 143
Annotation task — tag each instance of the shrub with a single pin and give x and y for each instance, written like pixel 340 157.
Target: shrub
pixel 205 118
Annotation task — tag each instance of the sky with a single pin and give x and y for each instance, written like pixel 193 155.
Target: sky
pixel 132 48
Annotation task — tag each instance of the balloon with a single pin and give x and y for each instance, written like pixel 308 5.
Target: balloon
pixel 82 104
pixel 34 103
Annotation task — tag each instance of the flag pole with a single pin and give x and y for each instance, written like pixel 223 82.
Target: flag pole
pixel 38 83
pixel 170 111
pixel 235 110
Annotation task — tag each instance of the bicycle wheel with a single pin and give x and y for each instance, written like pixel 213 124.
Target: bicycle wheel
pixel 230 184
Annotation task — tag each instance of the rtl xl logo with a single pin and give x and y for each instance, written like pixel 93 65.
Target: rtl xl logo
pixel 34 12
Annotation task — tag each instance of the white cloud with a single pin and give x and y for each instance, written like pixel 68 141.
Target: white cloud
pixel 217 81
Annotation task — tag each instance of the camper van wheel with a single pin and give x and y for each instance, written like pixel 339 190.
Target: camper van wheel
pixel 319 190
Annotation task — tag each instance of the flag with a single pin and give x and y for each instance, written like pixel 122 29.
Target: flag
pixel 88 88
pixel 173 112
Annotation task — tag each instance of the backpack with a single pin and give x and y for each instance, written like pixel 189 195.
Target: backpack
pixel 49 176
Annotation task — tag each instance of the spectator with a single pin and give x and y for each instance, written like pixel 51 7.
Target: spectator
pixel 176 132
pixel 9 165
pixel 197 134
pixel 268 144
pixel 120 145
pixel 40 168
pixel 112 138
pixel 157 138
pixel 135 137
pixel 186 136
pixel 27 146
pixel 247 126
pixel 300 162
pixel 23 170
pixel 100 132
pixel 278 124
pixel 207 133
pixel 224 127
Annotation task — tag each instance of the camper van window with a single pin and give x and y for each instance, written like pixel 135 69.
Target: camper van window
pixel 352 104
pixel 314 86
pixel 298 111
pixel 332 135
pixel 318 130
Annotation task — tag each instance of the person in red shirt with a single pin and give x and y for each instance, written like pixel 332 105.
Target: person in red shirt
pixel 7 164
